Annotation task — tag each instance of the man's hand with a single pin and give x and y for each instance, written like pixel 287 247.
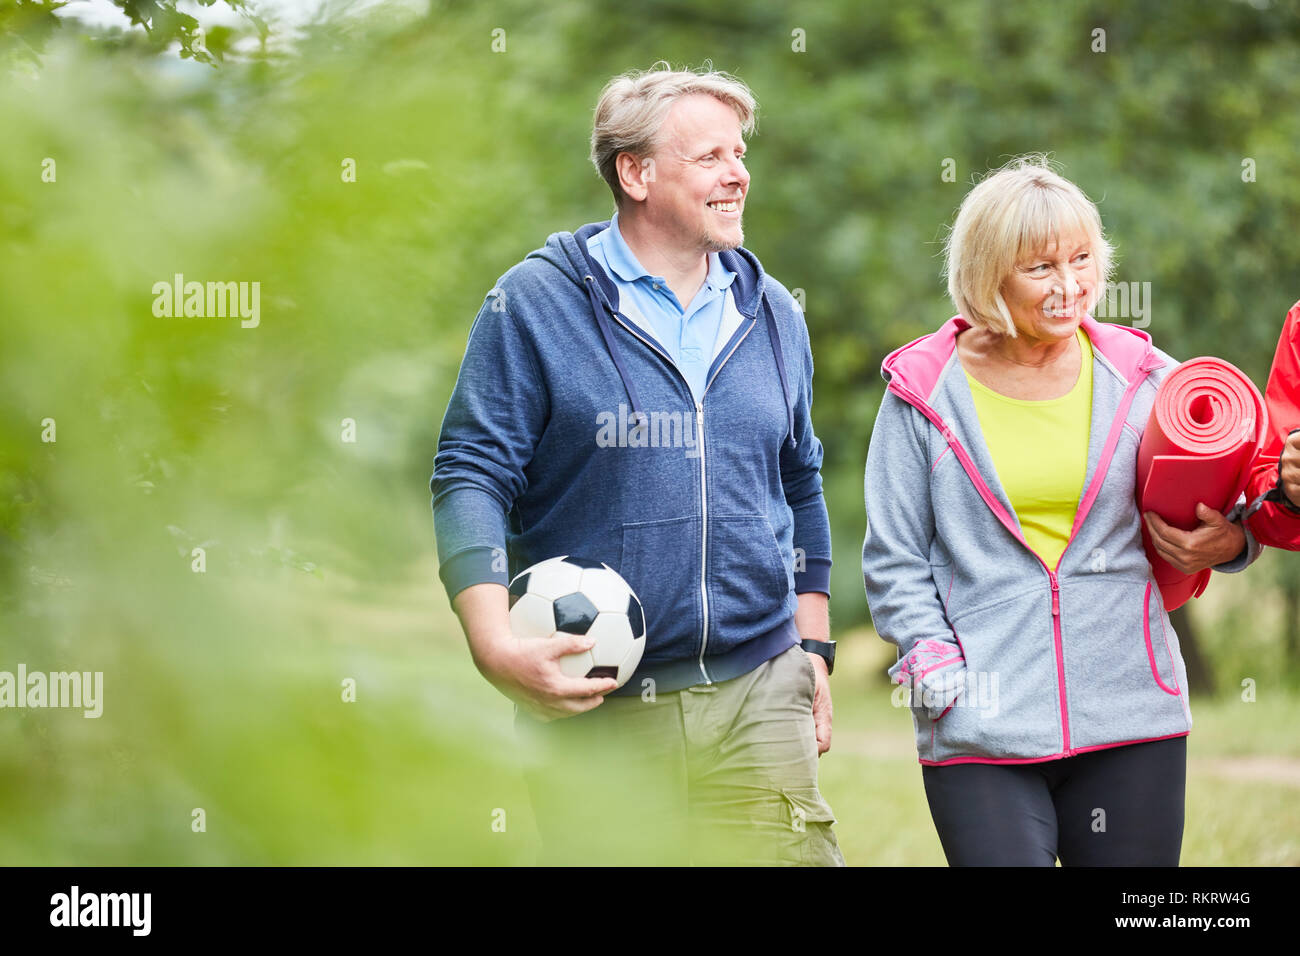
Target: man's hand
pixel 528 672
pixel 1289 468
pixel 1216 540
pixel 812 619
pixel 822 711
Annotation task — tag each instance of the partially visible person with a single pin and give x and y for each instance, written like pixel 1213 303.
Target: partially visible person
pixel 1277 470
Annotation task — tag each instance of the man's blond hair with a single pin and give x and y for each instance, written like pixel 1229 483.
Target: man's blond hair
pixel 632 109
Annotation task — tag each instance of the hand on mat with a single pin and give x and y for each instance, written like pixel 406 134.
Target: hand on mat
pixel 1289 468
pixel 1216 541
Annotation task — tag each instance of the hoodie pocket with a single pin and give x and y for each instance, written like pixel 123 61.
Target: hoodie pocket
pixel 661 562
pixel 748 577
pixel 1005 697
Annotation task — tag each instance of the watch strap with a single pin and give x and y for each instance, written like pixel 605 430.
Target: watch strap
pixel 826 649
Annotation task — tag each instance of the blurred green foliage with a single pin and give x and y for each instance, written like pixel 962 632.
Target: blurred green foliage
pixel 129 156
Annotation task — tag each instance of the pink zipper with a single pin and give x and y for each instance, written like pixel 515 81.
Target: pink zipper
pixel 986 493
pixel 1060 651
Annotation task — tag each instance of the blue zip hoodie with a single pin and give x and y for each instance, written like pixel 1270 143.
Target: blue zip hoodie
pixel 712 512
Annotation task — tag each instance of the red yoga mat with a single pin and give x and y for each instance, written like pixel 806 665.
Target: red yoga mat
pixel 1206 428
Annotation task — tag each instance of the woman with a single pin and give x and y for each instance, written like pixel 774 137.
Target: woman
pixel 1004 553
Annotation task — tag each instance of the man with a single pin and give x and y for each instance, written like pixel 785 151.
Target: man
pixel 639 393
pixel 1276 474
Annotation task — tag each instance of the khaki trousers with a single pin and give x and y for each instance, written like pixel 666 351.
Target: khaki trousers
pixel 723 774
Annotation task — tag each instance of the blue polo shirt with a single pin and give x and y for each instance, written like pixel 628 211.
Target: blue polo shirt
pixel 690 334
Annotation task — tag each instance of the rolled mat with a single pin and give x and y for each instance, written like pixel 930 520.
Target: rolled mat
pixel 1208 424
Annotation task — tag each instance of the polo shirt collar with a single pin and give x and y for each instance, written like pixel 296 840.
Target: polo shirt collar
pixel 623 262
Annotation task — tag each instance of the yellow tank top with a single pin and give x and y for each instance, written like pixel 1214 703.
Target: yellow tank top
pixel 1040 450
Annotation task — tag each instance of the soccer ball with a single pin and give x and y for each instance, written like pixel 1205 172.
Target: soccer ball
pixel 572 595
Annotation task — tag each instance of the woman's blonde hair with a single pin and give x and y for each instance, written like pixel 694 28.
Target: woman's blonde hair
pixel 633 107
pixel 1013 213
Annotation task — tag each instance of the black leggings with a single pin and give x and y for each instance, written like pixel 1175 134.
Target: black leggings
pixel 1122 806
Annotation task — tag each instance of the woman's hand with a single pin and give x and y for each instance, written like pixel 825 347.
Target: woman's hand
pixel 1216 540
pixel 1289 468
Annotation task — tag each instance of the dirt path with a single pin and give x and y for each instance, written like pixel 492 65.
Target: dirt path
pixel 1265 769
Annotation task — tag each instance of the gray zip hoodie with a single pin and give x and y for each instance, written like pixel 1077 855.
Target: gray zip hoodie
pixel 1007 660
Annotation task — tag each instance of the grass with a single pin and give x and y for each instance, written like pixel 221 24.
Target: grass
pixel 231 702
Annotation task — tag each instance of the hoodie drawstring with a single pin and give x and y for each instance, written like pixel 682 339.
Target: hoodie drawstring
pixel 602 319
pixel 775 338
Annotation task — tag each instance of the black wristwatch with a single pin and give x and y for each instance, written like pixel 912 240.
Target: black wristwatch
pixel 825 648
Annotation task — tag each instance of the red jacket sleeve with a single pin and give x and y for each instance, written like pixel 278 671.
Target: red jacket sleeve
pixel 1272 524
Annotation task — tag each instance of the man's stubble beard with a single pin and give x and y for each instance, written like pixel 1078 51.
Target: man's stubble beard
pixel 713 244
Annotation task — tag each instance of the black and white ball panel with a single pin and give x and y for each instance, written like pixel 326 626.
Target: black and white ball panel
pixel 574 613
pixel 570 595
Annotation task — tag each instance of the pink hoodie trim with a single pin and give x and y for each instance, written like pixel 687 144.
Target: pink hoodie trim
pixel 962 456
pixel 1143 740
pixel 926 656
pixel 1151 654
pixel 925 357
pixel 1056 756
pixel 1124 346
pixel 921 362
